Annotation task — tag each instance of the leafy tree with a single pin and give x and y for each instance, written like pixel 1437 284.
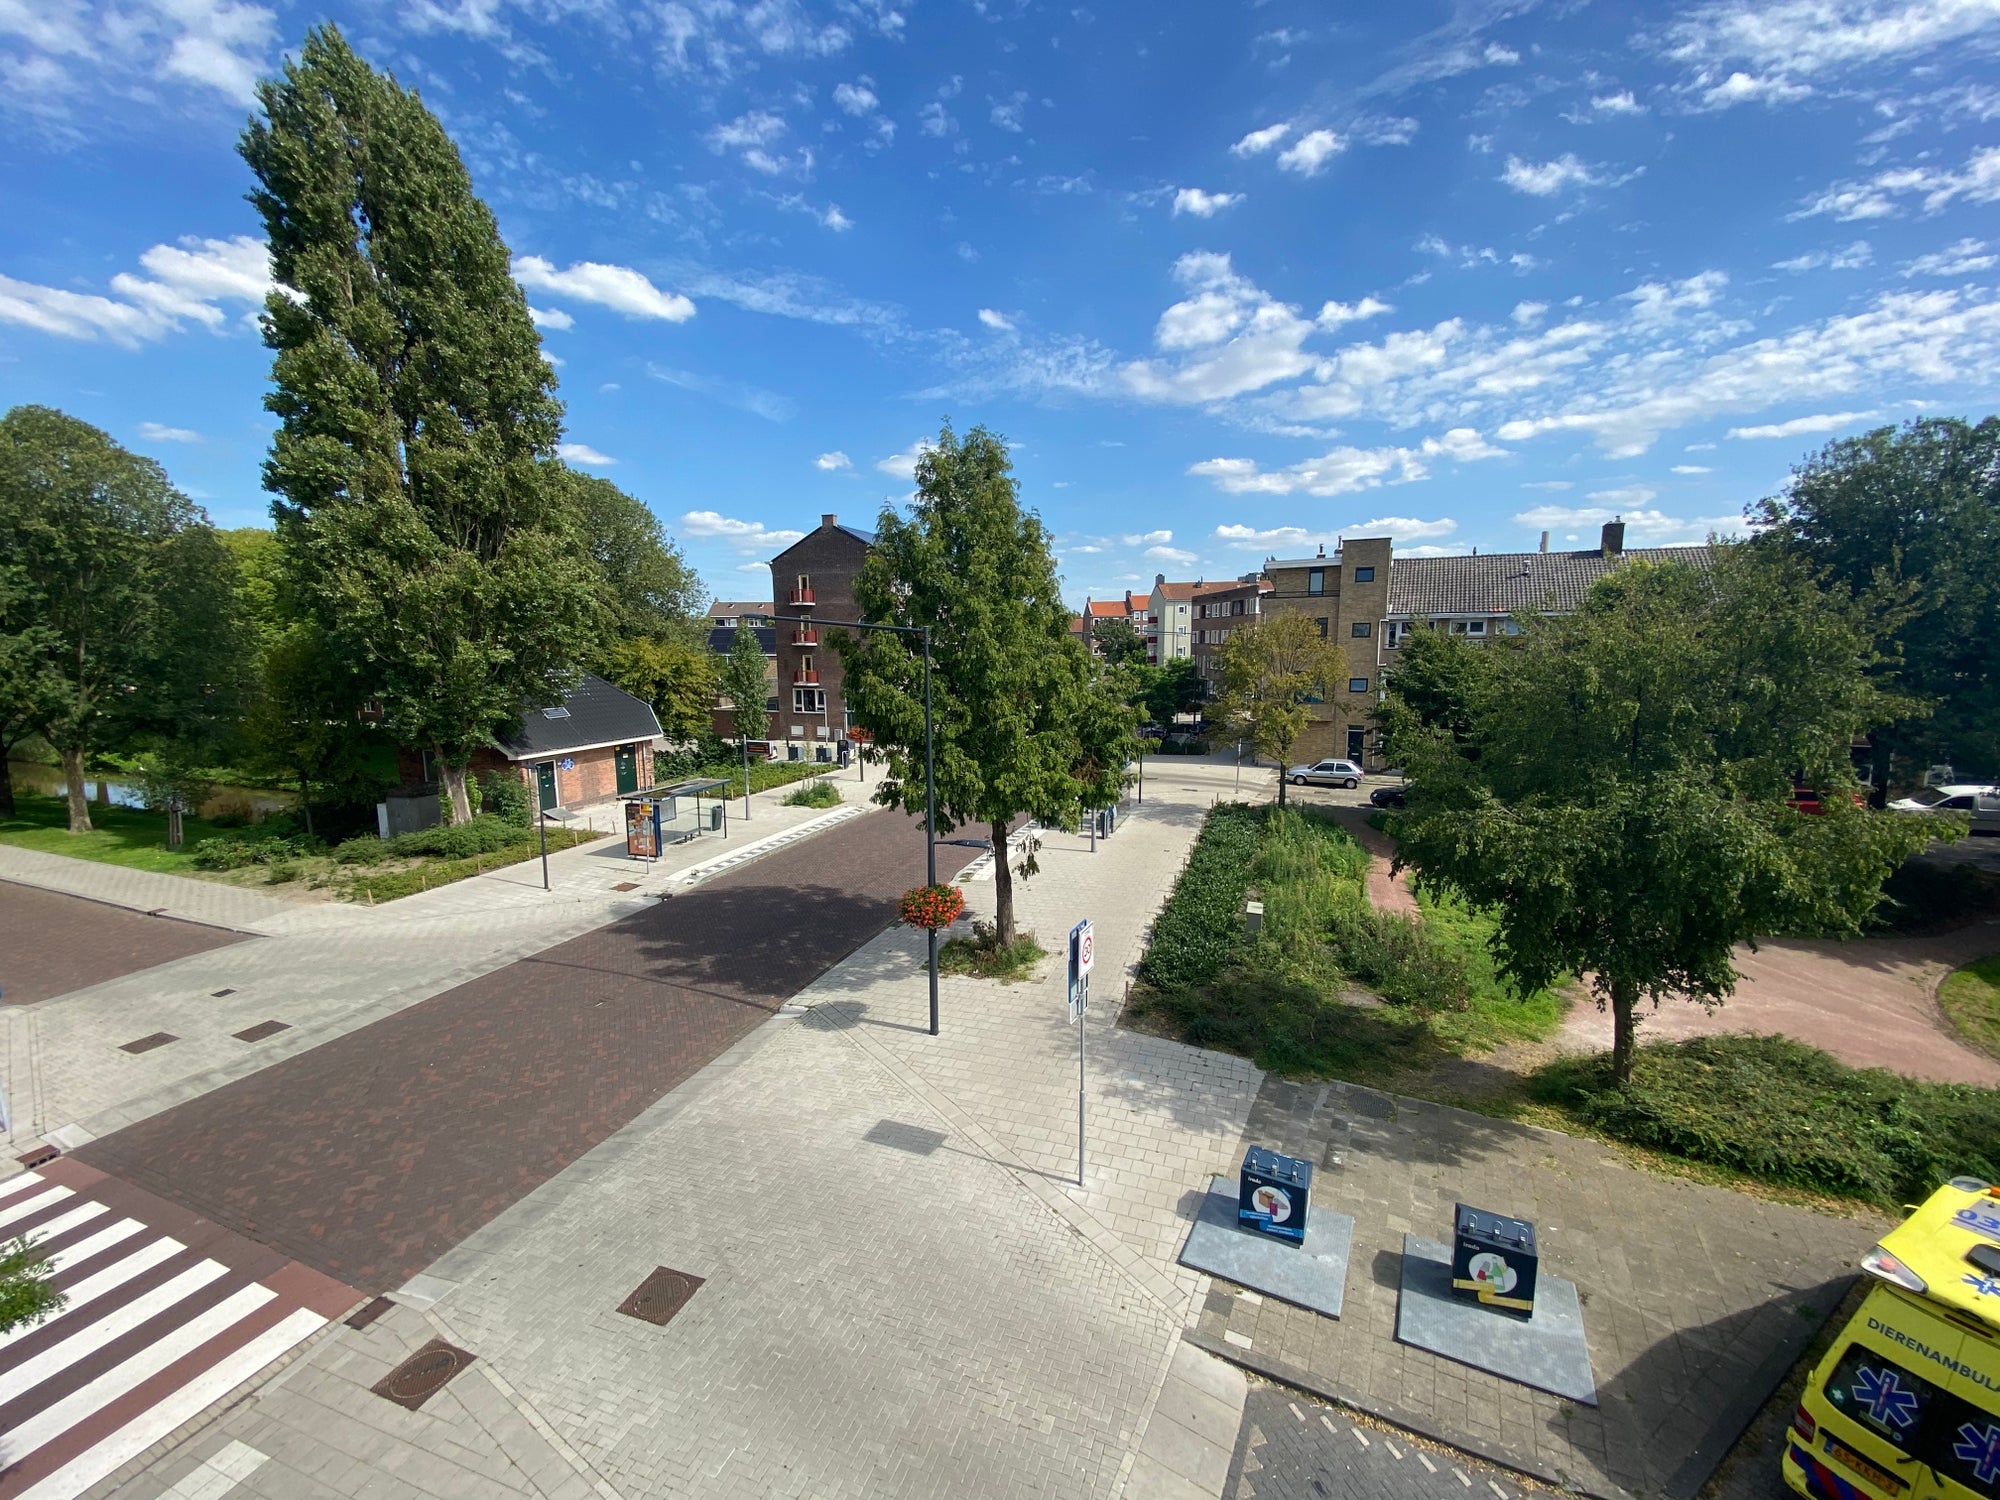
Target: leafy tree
pixel 1915 509
pixel 305 722
pixel 121 594
pixel 426 527
pixel 678 679
pixel 648 588
pixel 1430 684
pixel 1176 687
pixel 1626 816
pixel 1270 672
pixel 1118 642
pixel 1019 724
pixel 27 1296
pixel 742 680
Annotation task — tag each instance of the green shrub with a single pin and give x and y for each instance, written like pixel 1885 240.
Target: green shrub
pixel 239 853
pixel 1197 932
pixel 818 794
pixel 392 884
pixel 1785 1112
pixel 1926 896
pixel 1404 962
pixel 505 796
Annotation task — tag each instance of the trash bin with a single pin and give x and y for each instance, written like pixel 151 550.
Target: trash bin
pixel 1493 1258
pixel 715 817
pixel 1273 1195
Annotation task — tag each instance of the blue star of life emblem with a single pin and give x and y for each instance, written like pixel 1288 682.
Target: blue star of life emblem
pixel 1979 1447
pixel 1986 1286
pixel 1888 1403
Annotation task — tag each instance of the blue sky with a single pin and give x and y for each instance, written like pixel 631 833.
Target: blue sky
pixel 1234 279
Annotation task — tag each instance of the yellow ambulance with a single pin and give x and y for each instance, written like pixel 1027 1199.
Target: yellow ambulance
pixel 1906 1404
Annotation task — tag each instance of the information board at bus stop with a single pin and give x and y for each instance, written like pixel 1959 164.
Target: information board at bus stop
pixel 642 830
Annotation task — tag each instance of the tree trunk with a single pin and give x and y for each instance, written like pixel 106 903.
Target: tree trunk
pixel 6 786
pixel 454 790
pixel 1624 1030
pixel 305 803
pixel 79 795
pixel 175 836
pixel 1003 887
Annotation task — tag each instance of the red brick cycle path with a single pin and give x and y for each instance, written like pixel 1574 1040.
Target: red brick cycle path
pixel 370 1156
pixel 51 943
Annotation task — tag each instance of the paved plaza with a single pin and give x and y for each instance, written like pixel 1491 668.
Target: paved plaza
pixel 57 943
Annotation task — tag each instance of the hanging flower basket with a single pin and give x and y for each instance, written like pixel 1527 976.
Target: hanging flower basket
pixel 933 907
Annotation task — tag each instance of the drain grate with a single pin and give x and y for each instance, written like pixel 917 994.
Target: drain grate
pixel 261 1030
pixel 660 1296
pixel 218 994
pixel 626 885
pixel 422 1375
pixel 370 1313
pixel 148 1043
pixel 40 1156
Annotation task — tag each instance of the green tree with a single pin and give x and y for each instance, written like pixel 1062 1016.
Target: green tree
pixel 742 682
pixel 305 721
pixel 648 588
pixel 27 1296
pixel 426 527
pixel 679 680
pixel 1626 814
pixel 1174 688
pixel 1915 509
pixel 117 597
pixel 1271 672
pixel 1019 723
pixel 1118 642
pixel 1430 684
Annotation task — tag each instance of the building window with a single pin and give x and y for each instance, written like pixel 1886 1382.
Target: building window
pixel 1321 622
pixel 808 700
pixel 1357 684
pixel 1363 629
pixel 1236 606
pixel 1316 580
pixel 1475 627
pixel 1364 575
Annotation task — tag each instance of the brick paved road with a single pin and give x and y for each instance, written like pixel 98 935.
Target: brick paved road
pixel 370 1156
pixel 51 944
pixel 1294 1448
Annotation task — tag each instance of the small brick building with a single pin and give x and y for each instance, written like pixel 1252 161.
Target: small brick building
pixel 812 580
pixel 597 743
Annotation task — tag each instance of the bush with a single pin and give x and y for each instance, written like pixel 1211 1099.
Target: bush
pixel 485 834
pixel 1785 1112
pixel 237 853
pixel 1927 896
pixel 1197 932
pixel 1402 961
pixel 819 794
pixel 984 956
pixel 505 796
pixel 394 883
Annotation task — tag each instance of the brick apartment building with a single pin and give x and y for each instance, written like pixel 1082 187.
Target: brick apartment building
pixel 812 580
pixel 1221 609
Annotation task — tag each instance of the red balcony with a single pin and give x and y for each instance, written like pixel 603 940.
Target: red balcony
pixel 802 597
pixel 805 635
pixel 805 677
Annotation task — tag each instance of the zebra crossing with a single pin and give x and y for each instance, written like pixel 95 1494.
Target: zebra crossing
pixel 165 1313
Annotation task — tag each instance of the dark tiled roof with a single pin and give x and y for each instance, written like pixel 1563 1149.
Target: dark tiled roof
pixel 723 637
pixel 729 609
pixel 867 538
pixel 598 714
pixel 1500 583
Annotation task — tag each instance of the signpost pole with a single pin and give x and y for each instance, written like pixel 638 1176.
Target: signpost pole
pixel 746 773
pixel 1082 1025
pixel 542 816
pixel 930 823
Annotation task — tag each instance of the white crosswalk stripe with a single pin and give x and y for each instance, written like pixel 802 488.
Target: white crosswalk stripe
pixel 20 1182
pixel 150 1335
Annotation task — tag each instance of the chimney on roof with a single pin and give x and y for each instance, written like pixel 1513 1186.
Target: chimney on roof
pixel 1613 541
pixel 1322 549
pixel 1545 541
pixel 828 518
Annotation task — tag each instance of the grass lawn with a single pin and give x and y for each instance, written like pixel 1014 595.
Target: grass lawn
pixel 1971 997
pixel 128 836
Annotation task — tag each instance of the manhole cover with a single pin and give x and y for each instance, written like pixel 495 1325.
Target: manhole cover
pixel 218 994
pixel 660 1296
pixel 148 1043
pixel 261 1030
pixel 423 1374
pixel 370 1313
pixel 626 885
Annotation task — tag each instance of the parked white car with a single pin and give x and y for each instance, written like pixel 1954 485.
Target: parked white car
pixel 1980 803
pixel 1326 773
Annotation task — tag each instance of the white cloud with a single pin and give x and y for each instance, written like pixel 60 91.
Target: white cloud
pixel 1203 205
pixel 1878 198
pixel 856 99
pixel 619 288
pixel 1545 179
pixel 1501 56
pixel 1692 469
pixel 748 535
pixel 1553 486
pixel 583 453
pixel 1620 103
pixel 934 120
pixel 1626 497
pixel 999 322
pixel 1805 38
pixel 1007 113
pixel 1171 554
pixel 1397 130
pixel 1295 539
pixel 1657 303
pixel 1257 142
pixel 551 317
pixel 1345 469
pixel 904 465
pixel 63 49
pixel 186 282
pixel 1154 538
pixel 153 432
pixel 751 136
pixel 832 461
pixel 1334 314
pixel 1309 154
pixel 1528 314
pixel 1851 258
pixel 1644 528
pixel 1743 88
pixel 721 39
pixel 1962 258
pixel 1831 421
pixel 1239 339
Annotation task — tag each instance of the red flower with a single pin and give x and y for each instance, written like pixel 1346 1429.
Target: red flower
pixel 932 907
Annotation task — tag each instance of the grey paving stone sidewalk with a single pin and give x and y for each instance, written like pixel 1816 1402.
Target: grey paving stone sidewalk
pixel 1696 1300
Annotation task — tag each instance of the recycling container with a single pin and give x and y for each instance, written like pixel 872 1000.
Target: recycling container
pixel 1273 1194
pixel 1493 1258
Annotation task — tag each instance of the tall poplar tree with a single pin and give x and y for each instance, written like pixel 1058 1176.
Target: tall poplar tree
pixel 426 526
pixel 1020 724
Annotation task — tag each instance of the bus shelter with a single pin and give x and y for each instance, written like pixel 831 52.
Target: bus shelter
pixel 659 817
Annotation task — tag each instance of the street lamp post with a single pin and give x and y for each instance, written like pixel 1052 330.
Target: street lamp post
pixel 930 784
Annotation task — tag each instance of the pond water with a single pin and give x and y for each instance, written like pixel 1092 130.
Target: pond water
pixel 254 803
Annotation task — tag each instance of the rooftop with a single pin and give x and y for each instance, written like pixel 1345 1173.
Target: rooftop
pixel 1499 583
pixel 729 609
pixel 591 713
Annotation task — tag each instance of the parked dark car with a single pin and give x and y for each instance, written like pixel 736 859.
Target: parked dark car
pixel 1390 796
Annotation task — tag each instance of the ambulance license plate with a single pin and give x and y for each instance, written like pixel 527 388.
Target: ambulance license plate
pixel 1847 1458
